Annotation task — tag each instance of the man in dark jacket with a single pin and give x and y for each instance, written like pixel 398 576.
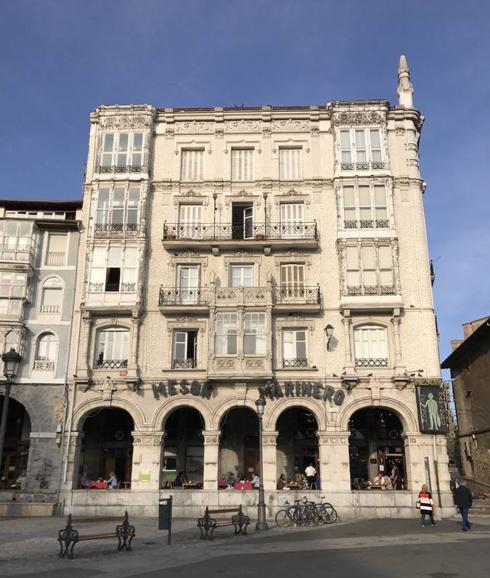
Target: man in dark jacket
pixel 464 500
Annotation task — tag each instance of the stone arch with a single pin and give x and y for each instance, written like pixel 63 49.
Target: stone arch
pixel 117 402
pixel 407 417
pixel 28 405
pixel 167 408
pixel 284 404
pixel 54 281
pixel 228 404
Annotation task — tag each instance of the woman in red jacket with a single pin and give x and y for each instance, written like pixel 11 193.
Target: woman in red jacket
pixel 426 505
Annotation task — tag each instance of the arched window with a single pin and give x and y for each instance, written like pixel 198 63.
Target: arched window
pixel 46 352
pixel 52 296
pixel 111 348
pixel 371 346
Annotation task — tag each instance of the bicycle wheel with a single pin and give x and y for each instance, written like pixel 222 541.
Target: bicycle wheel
pixel 295 515
pixel 282 519
pixel 331 513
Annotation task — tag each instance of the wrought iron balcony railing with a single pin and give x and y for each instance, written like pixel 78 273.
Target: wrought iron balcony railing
pixel 111 287
pixel 284 294
pixel 174 296
pixel 111 364
pixel 121 169
pixel 184 363
pixel 278 295
pixel 295 362
pixel 43 365
pixel 228 232
pixel 363 166
pixel 366 224
pixel 115 228
pixel 371 362
pixel 371 290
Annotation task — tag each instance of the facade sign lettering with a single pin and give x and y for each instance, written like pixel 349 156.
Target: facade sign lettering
pixel 316 390
pixel 183 387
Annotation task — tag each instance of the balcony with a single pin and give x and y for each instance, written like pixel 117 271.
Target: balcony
pixel 104 230
pixel 372 290
pixel 173 299
pixel 371 297
pixel 257 235
pixel 50 309
pixel 297 297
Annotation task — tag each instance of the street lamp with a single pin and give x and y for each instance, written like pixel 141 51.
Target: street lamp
pixel 265 217
pixel 215 208
pixel 11 361
pixel 261 520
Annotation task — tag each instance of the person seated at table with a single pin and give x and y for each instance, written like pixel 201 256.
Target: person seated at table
pixel 231 479
pixel 241 478
pixel 281 482
pixel 180 479
pixel 84 481
pixel 385 482
pixel 256 482
pixel 112 482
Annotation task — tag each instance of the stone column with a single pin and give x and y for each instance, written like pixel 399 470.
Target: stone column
pixel 147 451
pixel 348 357
pixel 398 349
pixel 72 465
pixel 269 453
pixel 135 325
pixel 211 459
pixel 334 461
pixel 84 342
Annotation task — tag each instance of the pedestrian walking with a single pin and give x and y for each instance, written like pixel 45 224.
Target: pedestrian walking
pixel 426 505
pixel 463 500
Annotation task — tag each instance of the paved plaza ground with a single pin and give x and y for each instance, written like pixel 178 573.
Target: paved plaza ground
pixel 369 548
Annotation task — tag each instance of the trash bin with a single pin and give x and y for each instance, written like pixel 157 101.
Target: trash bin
pixel 165 514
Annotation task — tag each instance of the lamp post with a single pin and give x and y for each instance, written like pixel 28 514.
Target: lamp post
pixel 215 196
pixel 11 361
pixel 261 520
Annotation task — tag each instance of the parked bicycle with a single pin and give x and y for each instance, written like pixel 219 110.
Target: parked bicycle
pixel 305 512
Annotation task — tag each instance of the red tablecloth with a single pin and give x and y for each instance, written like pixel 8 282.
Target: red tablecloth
pixel 243 486
pixel 98 485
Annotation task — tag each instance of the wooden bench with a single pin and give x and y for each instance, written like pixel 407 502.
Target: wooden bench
pixel 207 524
pixel 69 537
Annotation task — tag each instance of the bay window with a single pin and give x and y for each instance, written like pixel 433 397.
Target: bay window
pixel 121 152
pixel 114 269
pixel 365 206
pixel 117 208
pixel 360 149
pixel 111 348
pixel 369 269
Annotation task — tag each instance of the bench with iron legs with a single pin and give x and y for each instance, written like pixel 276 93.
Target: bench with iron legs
pixel 69 537
pixel 207 524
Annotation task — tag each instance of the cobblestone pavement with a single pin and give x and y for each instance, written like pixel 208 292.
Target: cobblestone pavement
pixel 28 547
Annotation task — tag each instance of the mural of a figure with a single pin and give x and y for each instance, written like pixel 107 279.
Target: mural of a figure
pixel 433 408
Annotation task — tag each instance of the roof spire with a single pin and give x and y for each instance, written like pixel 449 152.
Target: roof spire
pixel 405 87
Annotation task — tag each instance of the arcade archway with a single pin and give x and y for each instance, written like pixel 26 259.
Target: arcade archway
pixel 13 467
pixel 376 449
pixel 239 443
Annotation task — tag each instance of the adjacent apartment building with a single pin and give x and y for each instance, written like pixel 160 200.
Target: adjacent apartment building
pixel 233 252
pixel 38 258
pixel 469 363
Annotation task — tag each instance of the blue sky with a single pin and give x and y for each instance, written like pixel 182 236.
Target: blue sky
pixel 59 59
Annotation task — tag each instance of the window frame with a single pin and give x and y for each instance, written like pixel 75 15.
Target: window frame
pixel 197 171
pixel 363 270
pixel 362 158
pixel 371 360
pixel 227 334
pixel 293 169
pixel 374 221
pixel 244 174
pixel 107 222
pixel 255 332
pixel 125 270
pixel 293 361
pixel 115 151
pixel 120 363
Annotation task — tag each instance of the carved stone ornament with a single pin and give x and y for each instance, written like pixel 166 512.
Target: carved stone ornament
pixel 291 125
pixel 125 122
pixel 254 363
pixel 358 117
pixel 225 363
pixel 243 125
pixel 193 127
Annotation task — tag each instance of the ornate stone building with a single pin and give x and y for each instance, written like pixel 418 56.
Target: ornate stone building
pixel 38 256
pixel 227 251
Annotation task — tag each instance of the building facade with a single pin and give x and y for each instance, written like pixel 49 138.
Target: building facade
pixel 38 257
pixel 470 366
pixel 232 251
